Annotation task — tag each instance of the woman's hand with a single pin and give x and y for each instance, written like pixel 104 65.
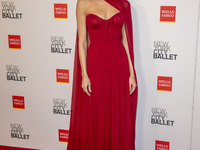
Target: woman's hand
pixel 86 85
pixel 132 84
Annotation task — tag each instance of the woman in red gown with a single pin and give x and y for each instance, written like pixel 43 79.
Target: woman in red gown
pixel 104 93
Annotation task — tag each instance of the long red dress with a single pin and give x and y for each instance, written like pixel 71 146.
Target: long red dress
pixel 106 119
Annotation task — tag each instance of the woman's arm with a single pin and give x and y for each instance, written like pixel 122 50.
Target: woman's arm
pixel 132 83
pixel 82 30
pixel 125 43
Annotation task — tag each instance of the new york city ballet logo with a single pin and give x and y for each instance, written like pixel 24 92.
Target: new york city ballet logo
pixel 60 11
pixel 58 45
pixel 159 116
pixel 13 73
pixel 62 75
pixel 9 9
pixel 14 42
pixel 17 132
pixel 168 14
pixel 164 84
pixel 162 51
pixel 60 107
pixel 18 102
pixel 161 145
pixel 63 135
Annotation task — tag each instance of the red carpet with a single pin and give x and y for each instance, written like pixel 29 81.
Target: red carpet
pixel 13 148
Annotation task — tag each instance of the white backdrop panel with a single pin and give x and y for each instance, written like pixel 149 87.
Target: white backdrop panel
pixel 196 121
pixel 178 103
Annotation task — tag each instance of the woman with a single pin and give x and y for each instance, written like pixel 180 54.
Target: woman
pixel 104 94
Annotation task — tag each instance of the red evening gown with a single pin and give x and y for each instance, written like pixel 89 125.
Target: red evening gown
pixel 104 120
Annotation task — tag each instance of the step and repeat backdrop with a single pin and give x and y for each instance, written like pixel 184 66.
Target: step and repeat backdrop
pixel 37 40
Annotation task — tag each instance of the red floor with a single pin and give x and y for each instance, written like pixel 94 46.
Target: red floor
pixel 13 148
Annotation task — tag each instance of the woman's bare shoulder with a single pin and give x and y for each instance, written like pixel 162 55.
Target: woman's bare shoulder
pixel 82 5
pixel 83 2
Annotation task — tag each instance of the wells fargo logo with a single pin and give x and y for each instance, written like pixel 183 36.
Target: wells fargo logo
pixel 162 145
pixel 164 84
pixel 18 102
pixel 62 75
pixel 168 14
pixel 63 135
pixel 60 11
pixel 14 41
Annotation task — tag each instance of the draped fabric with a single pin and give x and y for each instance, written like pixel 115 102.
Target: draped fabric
pixel 77 92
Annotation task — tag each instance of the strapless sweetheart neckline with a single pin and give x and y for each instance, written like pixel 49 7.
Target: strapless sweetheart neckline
pixel 103 18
